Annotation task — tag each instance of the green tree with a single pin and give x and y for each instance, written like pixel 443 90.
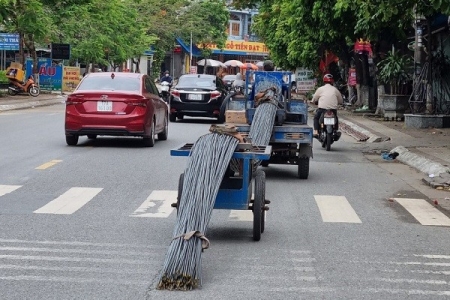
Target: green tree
pixel 297 31
pixel 106 33
pixel 207 21
pixel 30 19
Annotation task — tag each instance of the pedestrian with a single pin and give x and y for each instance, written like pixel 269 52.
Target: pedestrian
pixel 326 97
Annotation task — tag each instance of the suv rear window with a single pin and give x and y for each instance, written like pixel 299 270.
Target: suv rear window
pixel 106 83
pixel 202 82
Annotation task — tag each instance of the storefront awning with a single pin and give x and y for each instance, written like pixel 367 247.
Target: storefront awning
pixel 186 47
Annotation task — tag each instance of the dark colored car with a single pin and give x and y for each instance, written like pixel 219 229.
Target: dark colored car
pixel 116 104
pixel 197 95
pixel 228 80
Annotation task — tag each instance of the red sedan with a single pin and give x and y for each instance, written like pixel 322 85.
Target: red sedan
pixel 116 104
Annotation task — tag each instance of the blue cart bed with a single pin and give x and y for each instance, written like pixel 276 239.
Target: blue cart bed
pixel 235 191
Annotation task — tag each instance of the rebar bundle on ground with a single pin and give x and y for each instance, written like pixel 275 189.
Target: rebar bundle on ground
pixel 208 162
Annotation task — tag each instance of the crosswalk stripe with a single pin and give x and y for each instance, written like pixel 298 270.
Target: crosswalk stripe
pixel 241 215
pixel 70 201
pixel 6 189
pixel 336 209
pixel 164 209
pixel 424 212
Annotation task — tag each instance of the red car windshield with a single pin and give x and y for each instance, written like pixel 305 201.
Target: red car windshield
pixel 106 83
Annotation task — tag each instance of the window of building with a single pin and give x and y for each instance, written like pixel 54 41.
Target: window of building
pixel 234 28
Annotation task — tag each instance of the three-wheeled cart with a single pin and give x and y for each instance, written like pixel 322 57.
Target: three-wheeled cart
pixel 292 137
pixel 235 190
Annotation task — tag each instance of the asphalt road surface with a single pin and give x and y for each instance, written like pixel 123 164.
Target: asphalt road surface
pixel 94 222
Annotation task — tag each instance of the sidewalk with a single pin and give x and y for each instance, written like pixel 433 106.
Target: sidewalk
pixel 24 101
pixel 426 150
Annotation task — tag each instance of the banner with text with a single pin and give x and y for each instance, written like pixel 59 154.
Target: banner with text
pixel 70 79
pixel 240 47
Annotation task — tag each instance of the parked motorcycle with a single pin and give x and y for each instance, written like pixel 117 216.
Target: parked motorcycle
pixel 328 130
pixel 30 87
pixel 165 90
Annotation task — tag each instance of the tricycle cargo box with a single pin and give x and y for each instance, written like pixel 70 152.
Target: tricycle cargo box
pixel 16 65
pixel 235 116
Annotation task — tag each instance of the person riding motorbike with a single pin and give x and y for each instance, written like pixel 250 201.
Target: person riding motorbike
pixel 167 78
pixel 238 82
pixel 326 97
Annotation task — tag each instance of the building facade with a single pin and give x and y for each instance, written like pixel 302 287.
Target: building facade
pixel 242 44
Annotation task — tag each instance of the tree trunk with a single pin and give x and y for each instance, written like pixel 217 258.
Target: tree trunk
pixel 380 109
pixel 21 50
pixel 29 42
pixel 362 78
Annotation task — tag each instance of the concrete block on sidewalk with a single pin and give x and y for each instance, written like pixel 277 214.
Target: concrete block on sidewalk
pixel 420 163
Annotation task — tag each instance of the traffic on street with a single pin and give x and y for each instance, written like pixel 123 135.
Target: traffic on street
pixel 95 221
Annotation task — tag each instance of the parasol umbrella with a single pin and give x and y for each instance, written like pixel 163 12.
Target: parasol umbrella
pixel 259 64
pixel 211 63
pixel 233 63
pixel 249 66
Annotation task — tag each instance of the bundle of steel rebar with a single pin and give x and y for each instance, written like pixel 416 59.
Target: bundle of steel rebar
pixel 208 162
pixel 260 131
pixel 262 127
pixel 262 124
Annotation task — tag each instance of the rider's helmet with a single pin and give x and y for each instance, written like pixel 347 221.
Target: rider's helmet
pixel 328 78
pixel 268 65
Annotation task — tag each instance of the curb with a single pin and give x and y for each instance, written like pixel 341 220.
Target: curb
pixel 32 104
pixel 421 163
pixel 359 133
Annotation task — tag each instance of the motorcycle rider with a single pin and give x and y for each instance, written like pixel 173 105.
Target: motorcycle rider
pixel 167 78
pixel 238 81
pixel 326 97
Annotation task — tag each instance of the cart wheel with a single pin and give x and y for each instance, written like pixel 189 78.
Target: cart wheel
pixel 180 189
pixel 303 167
pixel 258 204
pixel 265 163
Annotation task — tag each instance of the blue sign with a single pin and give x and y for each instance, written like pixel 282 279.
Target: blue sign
pixel 9 41
pixel 50 75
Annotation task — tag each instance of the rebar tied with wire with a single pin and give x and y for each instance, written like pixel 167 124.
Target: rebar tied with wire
pixel 260 131
pixel 208 162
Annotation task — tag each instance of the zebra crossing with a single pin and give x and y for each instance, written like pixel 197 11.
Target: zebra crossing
pixel 332 208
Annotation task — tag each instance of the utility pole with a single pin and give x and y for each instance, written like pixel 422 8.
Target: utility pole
pixel 190 55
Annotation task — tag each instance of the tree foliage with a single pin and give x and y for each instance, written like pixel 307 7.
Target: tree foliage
pixel 297 32
pixel 111 32
pixel 207 21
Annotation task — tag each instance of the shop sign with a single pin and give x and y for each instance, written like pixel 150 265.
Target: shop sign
pixel 241 46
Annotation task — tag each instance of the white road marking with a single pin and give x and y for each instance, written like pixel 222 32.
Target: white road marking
pixel 76 259
pixel 424 212
pixel 433 256
pixel 336 209
pixel 163 198
pixel 241 215
pixel 6 189
pixel 73 279
pixel 69 202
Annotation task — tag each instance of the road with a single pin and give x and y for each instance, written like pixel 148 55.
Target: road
pixel 333 236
